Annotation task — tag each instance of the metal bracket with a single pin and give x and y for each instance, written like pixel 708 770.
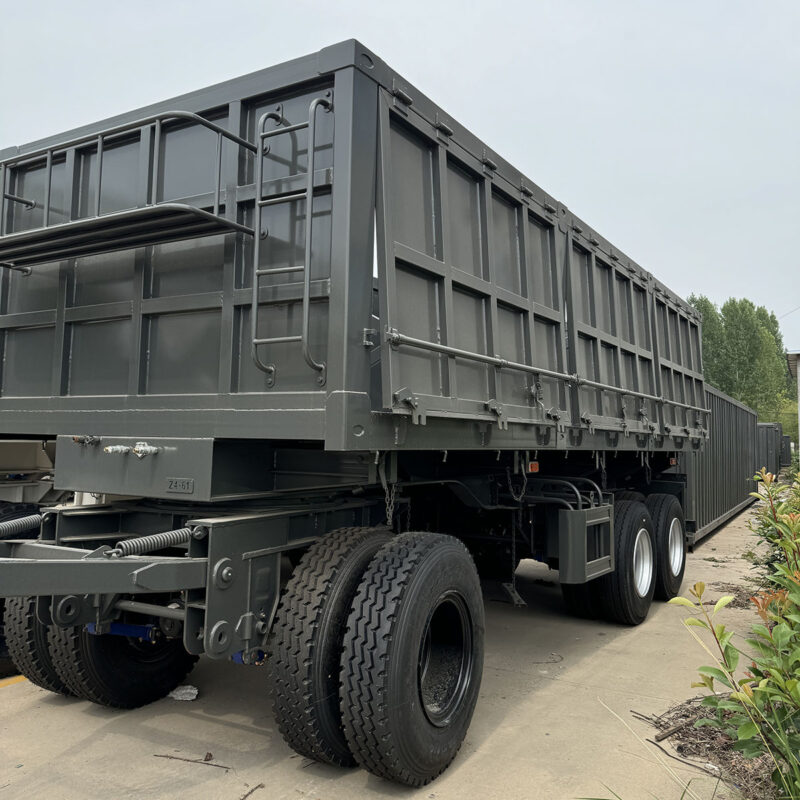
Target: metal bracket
pixel 514 595
pixel 443 130
pixel 498 410
pixel 86 440
pixel 406 397
pixel 402 99
pixel 21 270
pixel 143 449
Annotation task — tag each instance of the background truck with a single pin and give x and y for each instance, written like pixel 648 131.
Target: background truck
pixel 316 353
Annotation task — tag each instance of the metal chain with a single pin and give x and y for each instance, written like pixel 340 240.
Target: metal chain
pixel 514 548
pixel 517 496
pixel 391 493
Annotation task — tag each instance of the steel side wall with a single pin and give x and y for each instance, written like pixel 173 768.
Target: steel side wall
pixel 719 477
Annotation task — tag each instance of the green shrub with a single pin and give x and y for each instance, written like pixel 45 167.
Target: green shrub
pixel 761 710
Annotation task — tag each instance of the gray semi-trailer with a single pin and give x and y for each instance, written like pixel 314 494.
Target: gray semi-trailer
pixel 318 351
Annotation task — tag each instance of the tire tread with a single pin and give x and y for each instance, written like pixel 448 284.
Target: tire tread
pixel 296 636
pixel 371 630
pixel 28 646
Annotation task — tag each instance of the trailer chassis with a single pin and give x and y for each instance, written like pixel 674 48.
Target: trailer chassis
pixel 221 590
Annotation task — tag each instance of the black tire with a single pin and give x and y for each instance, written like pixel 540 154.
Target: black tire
pixel 413 658
pixel 116 671
pixel 3 647
pixel 306 648
pixel 27 642
pixel 629 495
pixel 669 524
pixel 622 601
pixel 10 511
pixel 581 599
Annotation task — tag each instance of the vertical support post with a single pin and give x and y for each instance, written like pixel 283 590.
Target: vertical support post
pixel 48 181
pixel 61 343
pixel 232 249
pixel 658 389
pixel 141 265
pixel 355 158
pixel 443 216
pixel 571 324
pixel 3 178
pixel 98 181
pixel 491 318
pixel 526 276
pixel 387 276
pixel 218 175
pixel 156 163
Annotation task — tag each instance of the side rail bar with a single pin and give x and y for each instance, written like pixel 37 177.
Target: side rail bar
pixel 397 339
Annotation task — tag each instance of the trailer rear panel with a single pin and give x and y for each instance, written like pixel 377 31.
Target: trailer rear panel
pixel 770 435
pixel 786 451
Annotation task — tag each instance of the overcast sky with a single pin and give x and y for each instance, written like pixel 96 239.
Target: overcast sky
pixel 673 128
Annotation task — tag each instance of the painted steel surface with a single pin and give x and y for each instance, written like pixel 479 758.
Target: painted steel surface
pixel 786 451
pixel 770 435
pixel 720 475
pixel 501 320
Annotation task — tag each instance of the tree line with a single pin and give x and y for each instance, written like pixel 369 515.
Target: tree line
pixel 744 356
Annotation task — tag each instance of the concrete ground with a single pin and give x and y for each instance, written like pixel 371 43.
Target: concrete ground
pixel 553 720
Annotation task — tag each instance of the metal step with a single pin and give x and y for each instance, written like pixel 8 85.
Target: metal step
pixel 121 230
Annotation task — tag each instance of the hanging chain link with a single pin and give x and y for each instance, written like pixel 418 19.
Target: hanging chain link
pixel 390 491
pixel 514 547
pixel 514 494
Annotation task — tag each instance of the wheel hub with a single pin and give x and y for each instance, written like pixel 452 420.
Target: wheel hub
pixel 675 543
pixel 445 659
pixel 642 562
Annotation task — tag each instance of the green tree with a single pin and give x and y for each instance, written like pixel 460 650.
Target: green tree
pixel 743 354
pixel 713 340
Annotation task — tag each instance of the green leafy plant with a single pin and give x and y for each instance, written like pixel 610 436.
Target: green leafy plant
pixel 760 710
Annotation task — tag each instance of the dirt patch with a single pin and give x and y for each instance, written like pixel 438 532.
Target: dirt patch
pixel 741 594
pixel 706 746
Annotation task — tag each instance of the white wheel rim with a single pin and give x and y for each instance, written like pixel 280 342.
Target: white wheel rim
pixel 642 562
pixel 676 547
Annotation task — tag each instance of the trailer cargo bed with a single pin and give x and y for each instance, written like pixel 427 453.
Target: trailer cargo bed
pixel 394 285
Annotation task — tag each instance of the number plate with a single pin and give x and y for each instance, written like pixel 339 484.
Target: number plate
pixel 180 485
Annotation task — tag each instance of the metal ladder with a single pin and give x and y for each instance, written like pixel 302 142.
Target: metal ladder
pixel 262 202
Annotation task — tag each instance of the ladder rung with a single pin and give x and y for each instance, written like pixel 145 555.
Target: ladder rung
pixel 279 270
pixel 288 129
pixel 278 340
pixel 284 198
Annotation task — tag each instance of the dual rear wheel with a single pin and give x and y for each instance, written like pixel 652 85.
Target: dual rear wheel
pixel 114 671
pixel 650 560
pixel 378 652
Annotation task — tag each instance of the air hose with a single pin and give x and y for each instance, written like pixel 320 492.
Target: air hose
pixel 14 527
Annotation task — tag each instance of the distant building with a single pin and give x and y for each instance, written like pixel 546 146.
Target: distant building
pixel 793 358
